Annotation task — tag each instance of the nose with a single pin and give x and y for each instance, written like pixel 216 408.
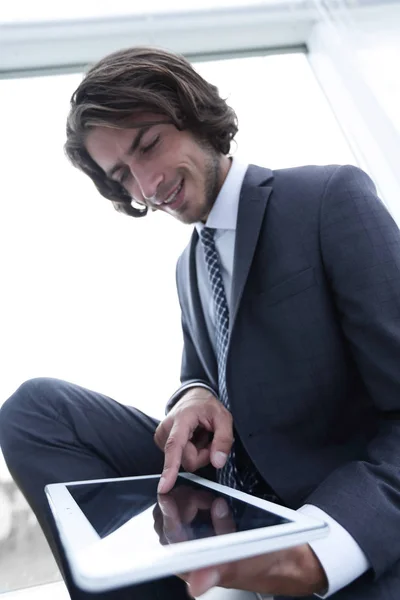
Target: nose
pixel 148 179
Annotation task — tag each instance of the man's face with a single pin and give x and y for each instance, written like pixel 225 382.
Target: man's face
pixel 161 167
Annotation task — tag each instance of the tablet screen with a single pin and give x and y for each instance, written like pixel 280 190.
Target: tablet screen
pixel 187 512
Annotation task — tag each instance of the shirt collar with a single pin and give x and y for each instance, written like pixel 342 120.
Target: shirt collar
pixel 223 214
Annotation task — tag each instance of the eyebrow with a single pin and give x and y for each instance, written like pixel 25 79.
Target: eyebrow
pixel 143 128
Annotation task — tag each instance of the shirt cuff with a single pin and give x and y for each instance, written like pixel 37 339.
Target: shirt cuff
pixel 339 554
pixel 187 386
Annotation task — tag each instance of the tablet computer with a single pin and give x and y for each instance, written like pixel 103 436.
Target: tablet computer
pixel 119 532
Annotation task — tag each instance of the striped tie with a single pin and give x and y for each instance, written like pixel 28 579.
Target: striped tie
pixel 228 475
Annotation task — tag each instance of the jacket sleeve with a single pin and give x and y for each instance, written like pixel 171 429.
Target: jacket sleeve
pixel 360 245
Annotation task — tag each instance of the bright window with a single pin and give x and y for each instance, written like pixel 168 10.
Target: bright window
pixel 379 64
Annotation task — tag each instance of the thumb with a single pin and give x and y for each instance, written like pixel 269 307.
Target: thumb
pixel 222 443
pixel 201 581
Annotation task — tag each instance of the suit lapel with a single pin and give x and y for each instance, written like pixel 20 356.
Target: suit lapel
pixel 195 313
pixel 252 204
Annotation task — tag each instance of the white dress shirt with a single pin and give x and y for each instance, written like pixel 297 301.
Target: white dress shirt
pixel 339 554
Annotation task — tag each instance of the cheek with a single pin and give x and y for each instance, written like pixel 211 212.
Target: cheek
pixel 134 191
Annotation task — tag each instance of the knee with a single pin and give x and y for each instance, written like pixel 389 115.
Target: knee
pixel 29 392
pixel 31 397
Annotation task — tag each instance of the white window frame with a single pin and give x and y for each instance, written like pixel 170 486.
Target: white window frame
pixel 372 136
pixel 40 48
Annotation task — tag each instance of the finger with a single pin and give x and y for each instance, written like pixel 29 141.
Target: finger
pixel 222 518
pixel 222 440
pixel 198 501
pixel 202 438
pixel 189 512
pixel 190 501
pixel 199 582
pixel 157 514
pixel 172 523
pixel 158 525
pixel 162 432
pixel 195 503
pixel 194 458
pixel 186 503
pixel 173 449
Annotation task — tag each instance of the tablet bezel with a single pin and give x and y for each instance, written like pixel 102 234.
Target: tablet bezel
pixel 97 564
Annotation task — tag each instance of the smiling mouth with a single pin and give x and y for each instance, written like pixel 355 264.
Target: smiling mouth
pixel 171 198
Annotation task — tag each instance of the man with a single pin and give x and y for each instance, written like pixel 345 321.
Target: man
pixel 290 297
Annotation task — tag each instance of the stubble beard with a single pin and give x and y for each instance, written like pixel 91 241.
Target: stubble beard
pixel 212 184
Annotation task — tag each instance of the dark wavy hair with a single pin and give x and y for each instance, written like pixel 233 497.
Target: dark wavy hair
pixel 143 79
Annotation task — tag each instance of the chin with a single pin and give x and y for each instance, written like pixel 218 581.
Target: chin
pixel 195 218
pixel 189 217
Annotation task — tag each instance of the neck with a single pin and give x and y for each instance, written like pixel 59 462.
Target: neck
pixel 224 166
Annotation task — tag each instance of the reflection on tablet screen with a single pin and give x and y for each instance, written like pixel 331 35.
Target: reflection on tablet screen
pixel 189 511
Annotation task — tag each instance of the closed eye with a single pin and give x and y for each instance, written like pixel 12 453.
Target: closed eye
pixel 146 149
pixel 121 175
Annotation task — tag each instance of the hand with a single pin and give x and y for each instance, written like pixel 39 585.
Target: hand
pixel 176 512
pixel 293 572
pixel 197 431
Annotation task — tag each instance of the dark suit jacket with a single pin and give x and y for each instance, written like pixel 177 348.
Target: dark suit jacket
pixel 313 367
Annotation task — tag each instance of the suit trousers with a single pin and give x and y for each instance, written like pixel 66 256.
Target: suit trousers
pixel 53 431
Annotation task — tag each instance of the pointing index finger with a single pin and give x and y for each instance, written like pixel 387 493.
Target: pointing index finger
pixel 178 438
